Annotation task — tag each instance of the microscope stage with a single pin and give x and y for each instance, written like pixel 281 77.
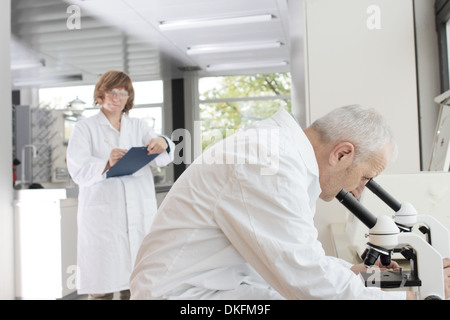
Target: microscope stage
pixel 390 279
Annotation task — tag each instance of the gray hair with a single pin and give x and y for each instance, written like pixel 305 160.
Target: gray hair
pixel 364 127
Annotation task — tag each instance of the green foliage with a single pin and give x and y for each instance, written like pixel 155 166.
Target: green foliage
pixel 239 103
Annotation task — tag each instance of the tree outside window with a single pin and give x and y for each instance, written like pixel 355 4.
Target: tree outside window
pixel 230 103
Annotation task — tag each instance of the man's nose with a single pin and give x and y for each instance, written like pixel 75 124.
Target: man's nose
pixel 359 190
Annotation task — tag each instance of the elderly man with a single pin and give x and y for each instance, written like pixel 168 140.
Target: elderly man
pixel 238 224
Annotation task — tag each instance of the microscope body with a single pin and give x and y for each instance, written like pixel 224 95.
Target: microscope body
pixel 437 235
pixel 426 262
pixel 406 217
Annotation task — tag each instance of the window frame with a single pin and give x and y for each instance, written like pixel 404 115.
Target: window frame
pixel 442 11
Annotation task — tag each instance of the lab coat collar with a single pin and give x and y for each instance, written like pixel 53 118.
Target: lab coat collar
pixel 302 143
pixel 103 120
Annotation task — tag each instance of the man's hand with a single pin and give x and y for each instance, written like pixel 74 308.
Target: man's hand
pixel 392 266
pixel 447 277
pixel 358 268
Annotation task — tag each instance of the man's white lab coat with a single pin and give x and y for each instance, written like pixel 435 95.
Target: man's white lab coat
pixel 114 214
pixel 226 229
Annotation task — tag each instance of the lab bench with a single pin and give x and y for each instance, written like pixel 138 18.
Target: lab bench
pixel 45 222
pixel 342 246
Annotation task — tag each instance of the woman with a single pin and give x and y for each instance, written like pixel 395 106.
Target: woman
pixel 114 214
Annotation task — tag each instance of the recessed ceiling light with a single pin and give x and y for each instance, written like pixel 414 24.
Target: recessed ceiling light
pixel 27 64
pixel 246 65
pixel 212 22
pixel 46 80
pixel 232 47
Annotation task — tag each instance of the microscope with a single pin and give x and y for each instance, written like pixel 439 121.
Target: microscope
pixel 406 217
pixel 426 263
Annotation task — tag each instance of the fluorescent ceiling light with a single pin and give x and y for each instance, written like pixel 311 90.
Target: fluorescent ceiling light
pixel 212 22
pixel 27 64
pixel 46 80
pixel 246 65
pixel 232 47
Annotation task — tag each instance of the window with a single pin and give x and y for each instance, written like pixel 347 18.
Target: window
pixel 59 98
pixel 234 102
pixel 148 102
pixel 447 51
pixel 443 27
pixel 148 105
pixel 440 157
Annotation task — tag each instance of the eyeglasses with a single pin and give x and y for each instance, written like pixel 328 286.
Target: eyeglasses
pixel 117 93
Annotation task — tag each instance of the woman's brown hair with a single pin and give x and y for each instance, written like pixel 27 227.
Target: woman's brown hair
pixel 110 80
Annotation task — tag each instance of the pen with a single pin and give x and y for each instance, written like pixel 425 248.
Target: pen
pixel 110 144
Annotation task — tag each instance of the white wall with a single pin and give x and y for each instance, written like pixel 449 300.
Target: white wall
pixel 6 190
pixel 428 75
pixel 297 26
pixel 349 63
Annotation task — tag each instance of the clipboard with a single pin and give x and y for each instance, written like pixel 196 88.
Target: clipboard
pixel 135 159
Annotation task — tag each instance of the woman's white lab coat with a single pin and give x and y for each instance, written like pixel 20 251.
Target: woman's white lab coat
pixel 114 214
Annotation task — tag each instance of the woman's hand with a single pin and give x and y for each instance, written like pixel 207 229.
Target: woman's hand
pixel 157 145
pixel 115 155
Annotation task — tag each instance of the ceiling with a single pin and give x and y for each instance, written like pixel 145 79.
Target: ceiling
pixel 83 39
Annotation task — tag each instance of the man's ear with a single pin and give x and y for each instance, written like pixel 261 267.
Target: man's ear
pixel 342 153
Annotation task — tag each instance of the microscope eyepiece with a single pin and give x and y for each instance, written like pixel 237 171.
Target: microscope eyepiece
pixel 351 203
pixel 383 195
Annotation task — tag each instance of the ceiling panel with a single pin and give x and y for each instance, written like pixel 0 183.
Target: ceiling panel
pixel 125 35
